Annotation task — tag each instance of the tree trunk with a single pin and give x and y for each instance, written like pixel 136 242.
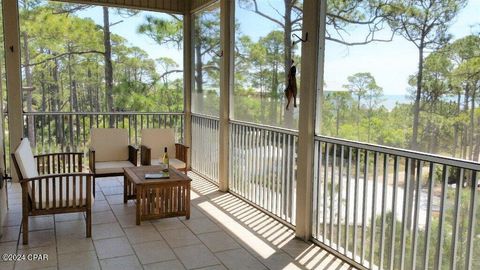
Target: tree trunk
pixel 108 64
pixel 472 125
pixel 73 103
pixel 337 124
pixel 476 151
pixel 287 44
pixel 44 92
pixel 91 94
pixel 56 105
pixel 418 95
pixel 198 72
pixel 97 103
pixel 29 89
pixel 455 132
pixel 287 39
pixel 358 116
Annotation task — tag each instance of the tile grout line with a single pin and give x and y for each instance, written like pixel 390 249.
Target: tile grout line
pixel 56 241
pixel 125 235
pixel 241 246
pixel 170 247
pixel 267 218
pixel 123 229
pixel 235 237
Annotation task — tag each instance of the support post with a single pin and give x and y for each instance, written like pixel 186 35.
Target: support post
pixel 313 51
pixel 187 82
pixel 226 80
pixel 13 74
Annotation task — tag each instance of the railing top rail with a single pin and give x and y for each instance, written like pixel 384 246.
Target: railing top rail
pixel 103 113
pixel 266 127
pixel 201 115
pixel 455 162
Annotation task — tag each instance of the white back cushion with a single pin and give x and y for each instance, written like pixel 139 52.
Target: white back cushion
pixel 110 144
pixel 157 139
pixel 26 161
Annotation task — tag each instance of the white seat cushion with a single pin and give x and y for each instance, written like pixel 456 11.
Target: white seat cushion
pixel 157 139
pixel 108 167
pixel 79 200
pixel 175 163
pixel 26 160
pixel 110 144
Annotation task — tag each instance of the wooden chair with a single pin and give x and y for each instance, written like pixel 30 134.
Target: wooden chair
pixel 52 184
pixel 154 141
pixel 110 152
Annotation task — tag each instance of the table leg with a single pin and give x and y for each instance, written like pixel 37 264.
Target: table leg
pixel 188 202
pixel 139 191
pixel 125 184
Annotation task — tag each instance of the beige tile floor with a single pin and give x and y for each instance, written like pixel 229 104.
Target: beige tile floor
pixel 223 232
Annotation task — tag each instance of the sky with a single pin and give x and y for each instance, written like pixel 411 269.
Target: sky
pixel 390 63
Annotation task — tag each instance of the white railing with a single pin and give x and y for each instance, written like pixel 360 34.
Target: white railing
pixel 205 132
pixel 263 167
pixel 388 208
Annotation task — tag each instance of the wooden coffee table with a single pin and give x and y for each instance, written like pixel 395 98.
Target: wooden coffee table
pixel 157 198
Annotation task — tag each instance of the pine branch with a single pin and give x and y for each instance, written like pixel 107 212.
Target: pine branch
pixel 170 72
pixel 63 55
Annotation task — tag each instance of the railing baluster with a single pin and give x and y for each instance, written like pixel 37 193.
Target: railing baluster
pixel 244 162
pixel 265 170
pixel 316 190
pixel 429 215
pixel 416 213
pixel 384 209
pixel 284 177
pixel 374 210
pixel 364 205
pixel 405 211
pixel 339 202
pixel 471 220
pixel 394 212
pixel 355 211
pixel 438 257
pixel 325 190
pixel 278 178
pixel 271 172
pixel 453 260
pixel 347 207
pixel 332 192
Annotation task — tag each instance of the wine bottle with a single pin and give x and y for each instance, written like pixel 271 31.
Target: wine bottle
pixel 166 161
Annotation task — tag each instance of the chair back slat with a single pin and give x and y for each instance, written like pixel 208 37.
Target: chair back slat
pixel 74 191
pixel 33 190
pixel 40 199
pixel 68 194
pixel 61 193
pixel 54 193
pixel 81 191
pixel 47 192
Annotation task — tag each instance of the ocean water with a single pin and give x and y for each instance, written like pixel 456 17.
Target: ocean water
pixel 389 101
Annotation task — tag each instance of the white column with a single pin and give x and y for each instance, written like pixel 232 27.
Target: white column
pixel 314 13
pixel 187 81
pixel 13 75
pixel 226 82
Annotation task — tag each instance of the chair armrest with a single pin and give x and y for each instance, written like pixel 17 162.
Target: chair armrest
pixel 55 176
pixel 181 153
pixel 55 163
pixel 145 155
pixel 133 154
pixel 91 159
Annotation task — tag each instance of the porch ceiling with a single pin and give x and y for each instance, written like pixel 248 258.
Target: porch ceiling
pixel 170 6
